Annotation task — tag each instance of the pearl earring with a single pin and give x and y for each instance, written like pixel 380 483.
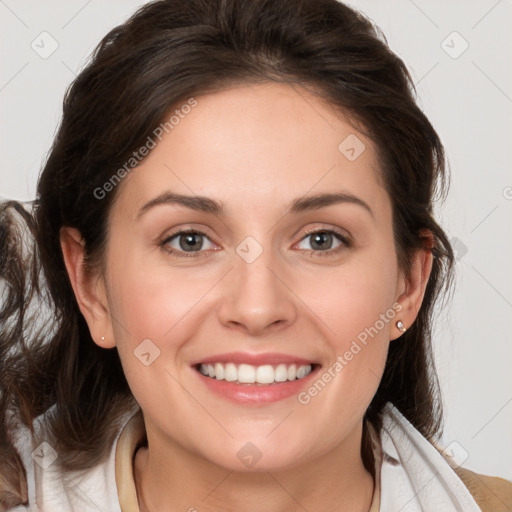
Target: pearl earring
pixel 103 338
pixel 401 326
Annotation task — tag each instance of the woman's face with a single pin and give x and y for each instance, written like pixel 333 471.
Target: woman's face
pixel 290 260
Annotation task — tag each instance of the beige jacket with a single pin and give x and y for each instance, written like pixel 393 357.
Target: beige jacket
pixel 492 494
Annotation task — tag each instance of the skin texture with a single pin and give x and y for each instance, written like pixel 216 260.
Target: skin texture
pixel 254 148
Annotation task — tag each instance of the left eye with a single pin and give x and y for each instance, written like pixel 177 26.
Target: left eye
pixel 323 240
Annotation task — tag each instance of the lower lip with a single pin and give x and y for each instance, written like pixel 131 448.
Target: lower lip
pixel 254 394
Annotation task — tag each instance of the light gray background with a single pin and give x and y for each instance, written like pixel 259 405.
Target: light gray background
pixel 467 98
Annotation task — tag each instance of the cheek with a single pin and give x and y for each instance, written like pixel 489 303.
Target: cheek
pixel 152 309
pixel 150 301
pixel 357 305
pixel 351 298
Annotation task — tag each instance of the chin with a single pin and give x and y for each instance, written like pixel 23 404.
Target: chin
pixel 258 455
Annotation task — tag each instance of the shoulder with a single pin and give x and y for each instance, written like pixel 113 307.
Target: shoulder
pixel 492 493
pixel 413 459
pixel 49 489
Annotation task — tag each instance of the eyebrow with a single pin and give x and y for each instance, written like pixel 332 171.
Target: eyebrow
pixel 207 205
pixel 318 201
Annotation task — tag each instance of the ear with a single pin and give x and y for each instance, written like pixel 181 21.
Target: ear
pixel 415 283
pixel 90 290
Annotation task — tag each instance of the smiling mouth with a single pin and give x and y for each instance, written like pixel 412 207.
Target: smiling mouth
pixel 264 375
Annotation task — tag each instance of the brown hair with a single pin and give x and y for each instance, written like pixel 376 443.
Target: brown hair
pixel 168 51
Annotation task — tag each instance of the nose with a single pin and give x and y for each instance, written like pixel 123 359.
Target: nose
pixel 257 298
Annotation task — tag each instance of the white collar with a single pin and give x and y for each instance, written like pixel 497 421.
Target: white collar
pixel 414 475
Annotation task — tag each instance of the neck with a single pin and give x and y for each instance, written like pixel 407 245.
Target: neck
pixel 172 478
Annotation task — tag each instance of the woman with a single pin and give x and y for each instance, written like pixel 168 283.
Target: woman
pixel 235 230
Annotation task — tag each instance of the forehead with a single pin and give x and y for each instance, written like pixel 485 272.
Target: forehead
pixel 258 146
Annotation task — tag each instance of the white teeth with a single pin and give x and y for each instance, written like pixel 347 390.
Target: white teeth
pixel 300 372
pixel 249 374
pixel 265 374
pixel 219 371
pixel 281 373
pixel 230 372
pixel 246 374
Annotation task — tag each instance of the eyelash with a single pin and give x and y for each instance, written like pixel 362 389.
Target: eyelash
pixel 344 239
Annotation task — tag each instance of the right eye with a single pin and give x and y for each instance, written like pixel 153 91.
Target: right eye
pixel 185 242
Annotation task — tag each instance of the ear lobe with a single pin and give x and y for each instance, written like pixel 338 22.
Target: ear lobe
pixel 89 289
pixel 416 281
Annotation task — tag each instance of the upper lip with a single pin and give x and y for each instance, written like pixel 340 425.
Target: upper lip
pixel 270 358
